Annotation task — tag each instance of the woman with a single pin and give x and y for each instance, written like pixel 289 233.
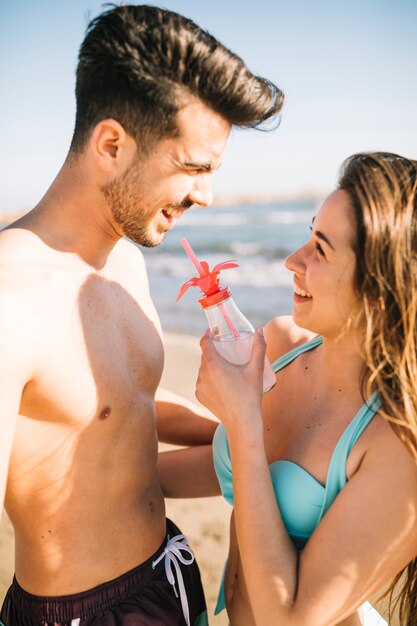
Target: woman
pixel 324 475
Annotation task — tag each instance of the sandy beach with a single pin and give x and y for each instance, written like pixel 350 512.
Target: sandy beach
pixel 204 521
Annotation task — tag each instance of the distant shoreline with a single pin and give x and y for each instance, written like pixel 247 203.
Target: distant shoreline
pixel 231 200
pixel 267 198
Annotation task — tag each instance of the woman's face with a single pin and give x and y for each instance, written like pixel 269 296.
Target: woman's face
pixel 324 269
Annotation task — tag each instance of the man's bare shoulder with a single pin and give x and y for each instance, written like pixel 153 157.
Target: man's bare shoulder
pixel 282 334
pixel 128 261
pixel 129 264
pixel 130 254
pixel 20 248
pixel 15 321
pixel 31 274
pixel 14 255
pixel 23 261
pixel 128 249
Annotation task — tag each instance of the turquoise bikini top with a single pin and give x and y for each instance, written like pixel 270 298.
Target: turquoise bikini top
pixel 302 500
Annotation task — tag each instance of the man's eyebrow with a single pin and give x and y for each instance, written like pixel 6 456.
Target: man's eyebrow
pixel 322 236
pixel 199 166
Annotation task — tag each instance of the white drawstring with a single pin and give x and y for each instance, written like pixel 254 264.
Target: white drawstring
pixel 172 552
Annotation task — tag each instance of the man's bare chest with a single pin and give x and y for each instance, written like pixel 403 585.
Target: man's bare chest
pixel 99 350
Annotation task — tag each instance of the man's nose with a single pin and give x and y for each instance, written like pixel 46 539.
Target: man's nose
pixel 202 192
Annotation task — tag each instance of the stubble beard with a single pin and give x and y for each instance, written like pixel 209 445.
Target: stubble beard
pixel 123 197
pixel 137 232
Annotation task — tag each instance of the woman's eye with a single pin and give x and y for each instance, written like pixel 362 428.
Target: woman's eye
pixel 318 246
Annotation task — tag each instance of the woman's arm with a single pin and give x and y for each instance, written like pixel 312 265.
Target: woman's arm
pixel 188 473
pixel 367 536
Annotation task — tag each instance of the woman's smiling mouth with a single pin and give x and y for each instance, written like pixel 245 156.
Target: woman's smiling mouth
pixel 300 292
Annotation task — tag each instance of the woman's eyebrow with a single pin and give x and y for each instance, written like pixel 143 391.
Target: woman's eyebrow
pixel 322 236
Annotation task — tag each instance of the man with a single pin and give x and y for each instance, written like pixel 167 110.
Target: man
pixel 81 350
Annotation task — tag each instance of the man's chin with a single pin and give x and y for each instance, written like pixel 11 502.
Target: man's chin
pixel 146 240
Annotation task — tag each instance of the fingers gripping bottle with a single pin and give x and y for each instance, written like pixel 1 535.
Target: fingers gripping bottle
pixel 231 332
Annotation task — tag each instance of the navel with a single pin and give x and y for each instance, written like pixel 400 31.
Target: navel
pixel 105 413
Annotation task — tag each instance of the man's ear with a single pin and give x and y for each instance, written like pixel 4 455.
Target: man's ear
pixel 112 147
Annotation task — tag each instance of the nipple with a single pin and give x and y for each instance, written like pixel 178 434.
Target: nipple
pixel 105 413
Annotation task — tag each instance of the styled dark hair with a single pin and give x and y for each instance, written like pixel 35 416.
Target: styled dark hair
pixel 383 192
pixel 138 63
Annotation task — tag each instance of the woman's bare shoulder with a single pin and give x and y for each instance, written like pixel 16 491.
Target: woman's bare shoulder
pixel 282 334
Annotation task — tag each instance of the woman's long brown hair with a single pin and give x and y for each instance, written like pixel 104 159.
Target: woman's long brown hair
pixel 383 192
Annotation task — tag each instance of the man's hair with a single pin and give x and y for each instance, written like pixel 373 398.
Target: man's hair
pixel 138 64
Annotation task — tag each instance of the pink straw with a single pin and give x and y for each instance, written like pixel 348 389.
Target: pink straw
pixel 193 257
pixel 203 273
pixel 229 322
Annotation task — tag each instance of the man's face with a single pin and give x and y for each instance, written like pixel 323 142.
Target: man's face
pixel 153 193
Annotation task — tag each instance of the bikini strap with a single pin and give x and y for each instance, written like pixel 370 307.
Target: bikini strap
pixel 336 474
pixel 290 356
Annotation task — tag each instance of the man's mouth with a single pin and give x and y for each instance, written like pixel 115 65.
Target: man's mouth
pixel 174 211
pixel 172 214
pixel 300 292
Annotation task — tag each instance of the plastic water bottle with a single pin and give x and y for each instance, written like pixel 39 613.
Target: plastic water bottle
pixel 224 318
pixel 231 332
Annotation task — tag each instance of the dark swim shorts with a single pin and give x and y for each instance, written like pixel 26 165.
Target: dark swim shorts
pixel 165 590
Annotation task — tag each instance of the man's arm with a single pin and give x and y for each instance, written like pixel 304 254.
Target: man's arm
pixel 188 473
pixel 10 394
pixel 15 367
pixel 182 422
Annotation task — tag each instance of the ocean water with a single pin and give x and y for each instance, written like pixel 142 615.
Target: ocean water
pixel 259 237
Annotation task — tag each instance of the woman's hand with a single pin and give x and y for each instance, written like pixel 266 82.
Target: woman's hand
pixel 232 392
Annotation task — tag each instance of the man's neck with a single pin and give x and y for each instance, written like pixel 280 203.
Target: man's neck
pixel 73 216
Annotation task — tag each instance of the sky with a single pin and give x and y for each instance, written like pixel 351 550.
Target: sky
pixel 348 70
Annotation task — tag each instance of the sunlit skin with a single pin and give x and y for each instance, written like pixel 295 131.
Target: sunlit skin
pixel 324 295
pixel 155 191
pixel 82 356
pixel 359 545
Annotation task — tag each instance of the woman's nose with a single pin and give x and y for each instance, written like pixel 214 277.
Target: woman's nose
pixel 295 261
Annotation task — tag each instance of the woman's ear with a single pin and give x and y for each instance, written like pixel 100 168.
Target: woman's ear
pixel 111 146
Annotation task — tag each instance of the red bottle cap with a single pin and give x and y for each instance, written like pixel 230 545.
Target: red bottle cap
pixel 208 281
